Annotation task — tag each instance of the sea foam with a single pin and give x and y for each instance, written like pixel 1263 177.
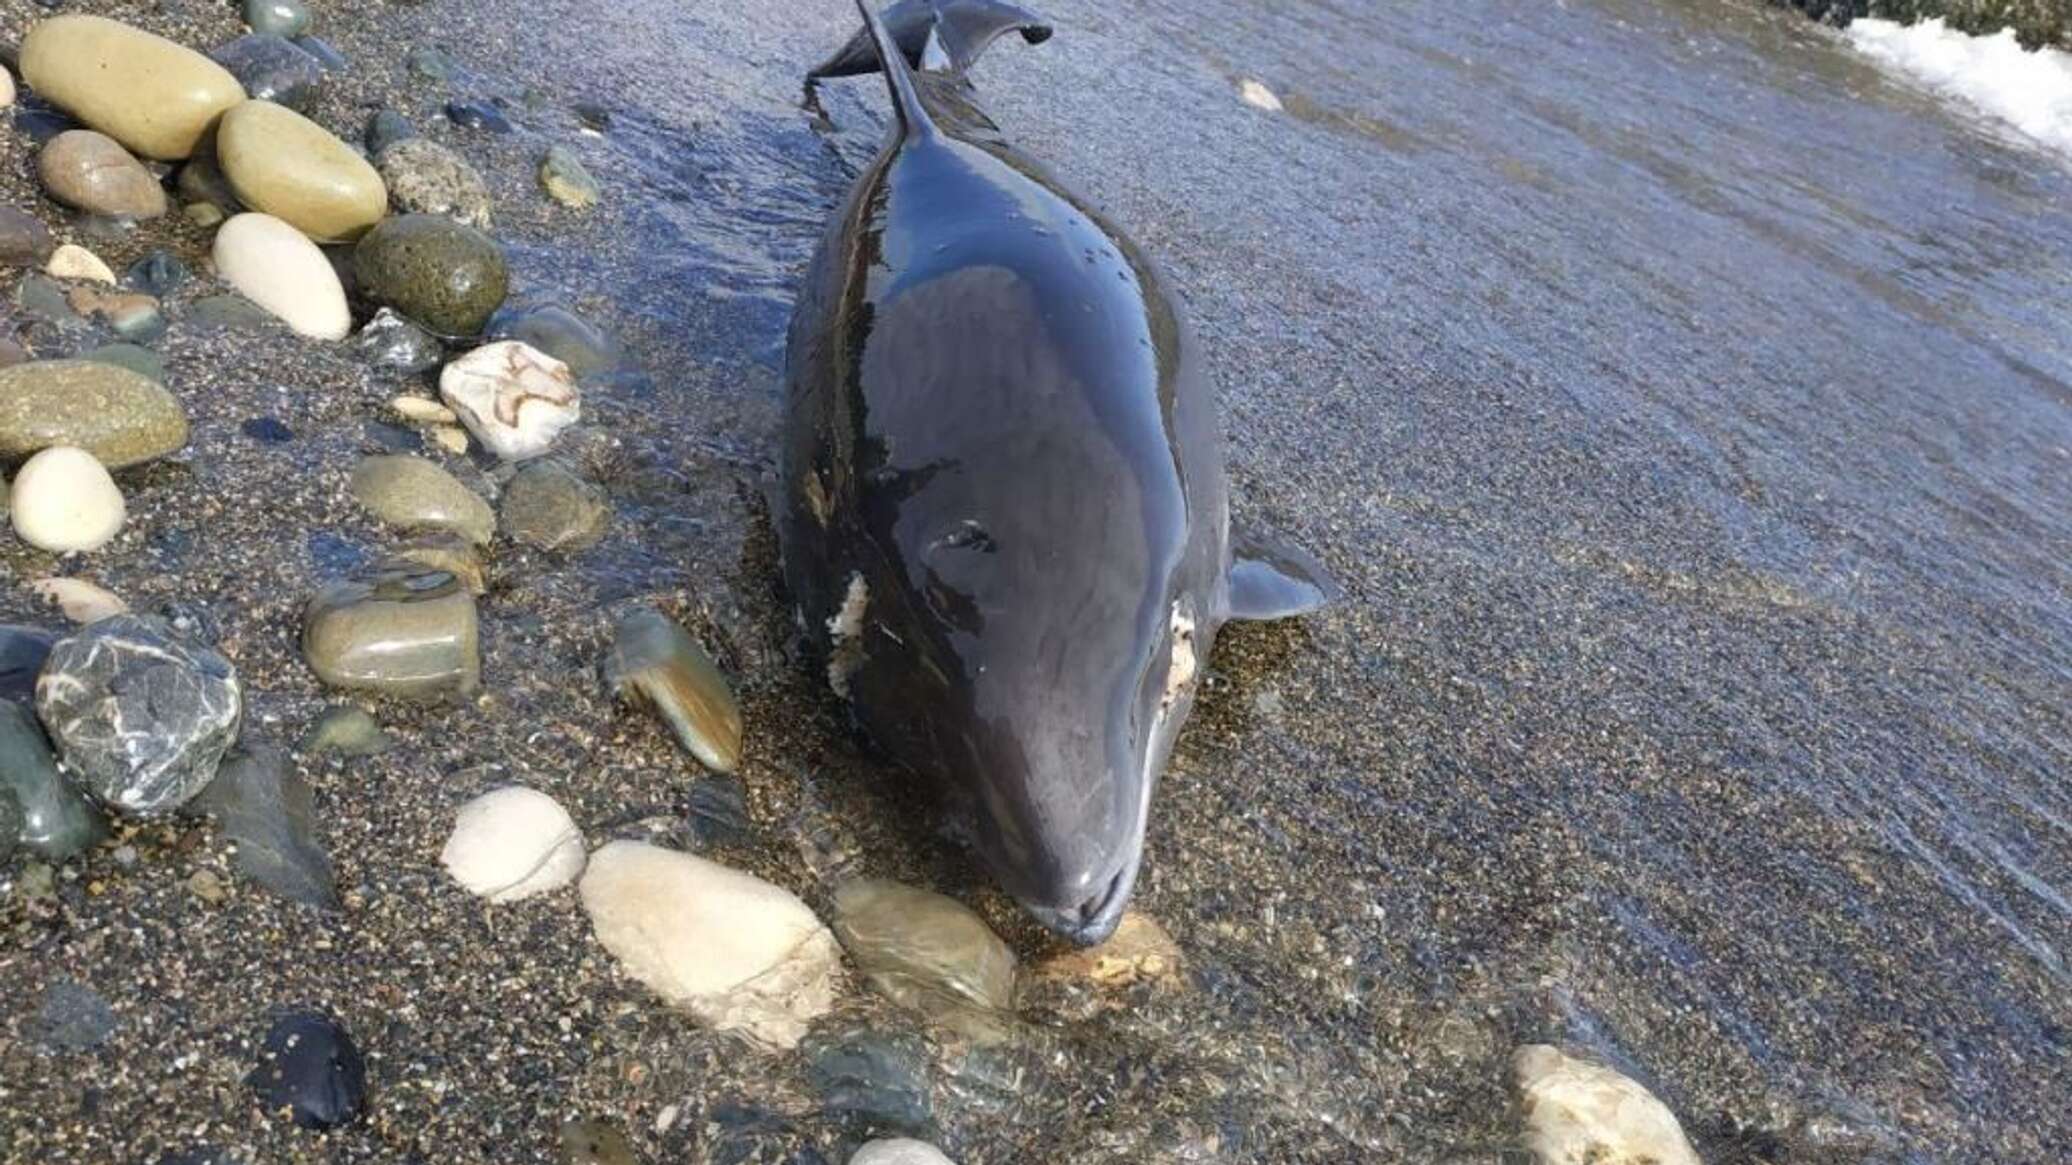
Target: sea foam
pixel 2030 91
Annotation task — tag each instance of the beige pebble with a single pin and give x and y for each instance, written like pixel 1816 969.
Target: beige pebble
pixel 64 501
pixel 423 410
pixel 288 166
pixel 1258 96
pixel 72 261
pixel 451 438
pixel 81 601
pixel 156 97
pixel 274 266
pixel 6 89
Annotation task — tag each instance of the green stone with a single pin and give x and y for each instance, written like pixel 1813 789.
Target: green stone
pixel 566 180
pixel 414 494
pixel 441 273
pixel 399 629
pixel 549 508
pixel 57 819
pixel 232 313
pixel 119 416
pixel 279 17
pixel 135 357
pixel 347 731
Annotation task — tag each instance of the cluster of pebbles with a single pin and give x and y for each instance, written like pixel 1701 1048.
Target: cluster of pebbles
pixel 137 716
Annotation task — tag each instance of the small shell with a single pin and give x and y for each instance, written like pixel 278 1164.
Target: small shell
pixel 513 843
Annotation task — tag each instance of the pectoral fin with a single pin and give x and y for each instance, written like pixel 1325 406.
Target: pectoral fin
pixel 1270 579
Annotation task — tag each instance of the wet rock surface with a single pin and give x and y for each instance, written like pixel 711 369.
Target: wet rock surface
pixel 116 415
pixel 655 662
pixel 265 809
pixel 443 274
pixel 547 507
pixel 310 1070
pixel 53 818
pixel 397 629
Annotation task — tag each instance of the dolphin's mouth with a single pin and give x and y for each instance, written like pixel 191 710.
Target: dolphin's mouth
pixel 1093 920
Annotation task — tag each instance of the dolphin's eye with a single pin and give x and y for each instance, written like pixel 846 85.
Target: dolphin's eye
pixel 966 535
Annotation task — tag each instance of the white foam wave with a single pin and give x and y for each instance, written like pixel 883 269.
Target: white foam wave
pixel 2031 91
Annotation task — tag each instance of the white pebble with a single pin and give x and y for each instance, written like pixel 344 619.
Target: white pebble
pixel 277 267
pixel 898 1151
pixel 513 843
pixel 81 601
pixel 515 398
pixel 6 88
pixel 72 261
pixel 1256 94
pixel 423 410
pixel 64 500
pixel 1577 1112
pixel 738 952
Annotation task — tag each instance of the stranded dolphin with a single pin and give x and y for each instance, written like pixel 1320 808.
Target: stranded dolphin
pixel 1003 508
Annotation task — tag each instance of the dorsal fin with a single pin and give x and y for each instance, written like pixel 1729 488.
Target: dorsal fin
pixel 906 99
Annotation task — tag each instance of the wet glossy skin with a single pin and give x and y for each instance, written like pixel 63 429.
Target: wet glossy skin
pixel 998 423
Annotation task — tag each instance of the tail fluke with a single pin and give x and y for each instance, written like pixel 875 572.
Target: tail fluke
pixel 963 29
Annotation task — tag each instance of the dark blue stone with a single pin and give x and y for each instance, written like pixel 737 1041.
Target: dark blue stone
pixel 309 1066
pixel 477 115
pixel 267 430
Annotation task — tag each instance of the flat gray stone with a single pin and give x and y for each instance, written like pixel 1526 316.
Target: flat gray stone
pixel 266 809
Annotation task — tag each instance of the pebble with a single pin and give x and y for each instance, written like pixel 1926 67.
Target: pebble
pixel 422 410
pixel 205 885
pixel 385 129
pixel 288 166
pixel 57 819
pixel 549 508
pixel 231 313
pixel 63 501
pixel 115 414
pixel 413 494
pixel 273 68
pixel 898 1151
pixel 6 89
pixel 1140 951
pixel 81 601
pixel 309 1067
pixel 390 342
pixel 452 553
pixel 432 63
pixel 266 430
pixel 73 1018
pixel 280 17
pixel 1255 94
pixel 272 264
pixel 477 115
pixel 324 51
pixel 513 397
pixel 24 240
pixel 201 181
pixel 397 629
pixel 141 714
pixel 590 1142
pixel 348 731
pixel 425 177
pixel 512 843
pixel 1579 1113
pixel 656 662
pixel 718 811
pixel 924 950
pixel 559 333
pixel 131 315
pixel 136 358
pixel 22 652
pixel 740 953
pixel 451 438
pixel 265 808
pixel 155 97
pixel 879 1077
pixel 566 180
pixel 72 261
pixel 92 172
pixel 159 273
pixel 443 274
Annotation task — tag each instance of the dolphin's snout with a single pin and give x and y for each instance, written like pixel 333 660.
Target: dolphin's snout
pixel 1093 920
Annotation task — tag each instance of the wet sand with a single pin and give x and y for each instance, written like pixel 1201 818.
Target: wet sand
pixel 1679 402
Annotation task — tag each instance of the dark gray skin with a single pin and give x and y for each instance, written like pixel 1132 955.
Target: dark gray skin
pixel 1004 513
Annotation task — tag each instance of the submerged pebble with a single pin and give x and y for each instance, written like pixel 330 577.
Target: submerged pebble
pixel 285 165
pixel 388 341
pixel 57 820
pixel 273 68
pixel 265 809
pixel 738 952
pixel 512 843
pixel 594 1142
pixel 441 273
pixel 91 171
pixel 656 662
pixel 72 1018
pixel 310 1070
pixel 396 629
pixel 1579 1113
pixel 81 601
pixel 280 17
pixel 140 713
pixel 64 501
pixel 924 950
pixel 513 397
pixel 898 1151
pixel 24 240
pixel 547 507
pixel 115 414
pixel 72 261
pixel 384 129
pixel 134 357
pixel 559 333
pixel 452 553
pixel 412 493
pixel 131 315
pixel 425 177
pixel 349 731
pixel 566 180
pixel 275 266
pixel 156 97
pixel 478 115
pixel 879 1077
pixel 159 273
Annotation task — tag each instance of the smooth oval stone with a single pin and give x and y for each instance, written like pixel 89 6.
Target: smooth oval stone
pixel 559 333
pixel 81 601
pixel 24 240
pixel 347 731
pixel 413 494
pixel 113 413
pixel 159 273
pixel 740 953
pixel 64 501
pixel 547 507
pixel 400 629
pixel 443 274
pixel 923 949
pixel 656 662
pixel 275 266
pixel 155 97
pixel 566 180
pixel 386 128
pixel 91 171
pixel 324 51
pixel 232 313
pixel 309 1067
pixel 57 819
pixel 279 17
pixel 288 166
pixel 1575 1110
pixel 424 177
pixel 140 713
pixel 512 843
pixel 266 810
pixel 272 68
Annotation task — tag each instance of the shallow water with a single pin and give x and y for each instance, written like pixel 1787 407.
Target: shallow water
pixel 1681 400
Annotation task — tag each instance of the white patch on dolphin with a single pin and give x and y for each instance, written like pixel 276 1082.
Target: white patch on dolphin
pixel 845 634
pixel 1183 662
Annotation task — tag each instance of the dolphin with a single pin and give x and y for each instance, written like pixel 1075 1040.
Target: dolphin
pixel 1002 507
